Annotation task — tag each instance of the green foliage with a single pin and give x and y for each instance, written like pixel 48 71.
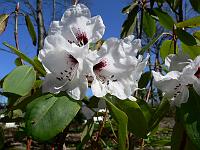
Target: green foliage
pixel 188 114
pixel 167 48
pixel 164 19
pixel 27 59
pixel 20 81
pixel 31 29
pixel 196 5
pixel 49 115
pixel 154 40
pixel 129 24
pixel 193 51
pixel 197 35
pixel 192 22
pixel 3 22
pixel 144 80
pixel 137 123
pixel 122 120
pixel 159 113
pixel 149 24
pixel 185 37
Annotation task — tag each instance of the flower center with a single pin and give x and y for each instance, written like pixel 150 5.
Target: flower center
pixel 81 38
pixel 197 74
pixel 100 65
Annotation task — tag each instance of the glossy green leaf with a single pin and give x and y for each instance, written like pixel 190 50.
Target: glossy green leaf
pixel 146 109
pixel 192 51
pixel 137 123
pixel 164 19
pixel 167 48
pixel 3 22
pixel 130 7
pixel 159 113
pixel 189 115
pixel 31 29
pixel 129 24
pixel 26 58
pixel 179 139
pixel 192 22
pixel 197 35
pixel 122 120
pixel 196 5
pixel 49 115
pixel 149 24
pixel 154 40
pixel 144 80
pixel 185 37
pixel 20 81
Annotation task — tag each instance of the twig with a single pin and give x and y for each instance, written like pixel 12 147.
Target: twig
pixel 16 29
pixel 102 126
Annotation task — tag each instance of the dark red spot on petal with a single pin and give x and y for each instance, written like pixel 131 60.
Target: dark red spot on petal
pixel 197 74
pixel 72 59
pixel 100 65
pixel 81 38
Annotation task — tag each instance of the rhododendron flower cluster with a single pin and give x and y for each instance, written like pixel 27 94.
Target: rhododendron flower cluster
pixel 184 72
pixel 72 66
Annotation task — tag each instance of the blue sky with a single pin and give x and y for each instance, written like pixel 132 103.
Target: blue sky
pixel 109 10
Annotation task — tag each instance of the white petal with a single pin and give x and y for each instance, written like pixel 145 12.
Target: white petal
pixel 176 62
pixel 98 89
pixel 196 86
pixel 76 11
pixel 51 84
pixel 167 83
pixel 116 67
pixel 182 97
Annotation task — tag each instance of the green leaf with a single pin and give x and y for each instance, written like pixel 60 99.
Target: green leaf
pixel 154 40
pixel 196 5
pixel 149 24
pixel 193 51
pixel 179 139
pixel 20 81
pixel 146 109
pixel 128 8
pixel 137 123
pixel 159 113
pixel 189 115
pixel 31 29
pixel 26 58
pixel 192 22
pixel 185 37
pixel 144 80
pixel 122 120
pixel 164 19
pixel 2 138
pixel 129 24
pixel 3 22
pixel 197 35
pixel 167 48
pixel 49 115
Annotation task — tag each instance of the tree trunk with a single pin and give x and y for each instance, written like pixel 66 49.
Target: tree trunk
pixel 40 26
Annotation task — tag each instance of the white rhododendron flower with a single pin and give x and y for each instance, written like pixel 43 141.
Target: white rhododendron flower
pixel 77 26
pixel 66 55
pixel 175 83
pixel 173 86
pixel 191 73
pixel 118 70
pixel 68 66
pixel 176 62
